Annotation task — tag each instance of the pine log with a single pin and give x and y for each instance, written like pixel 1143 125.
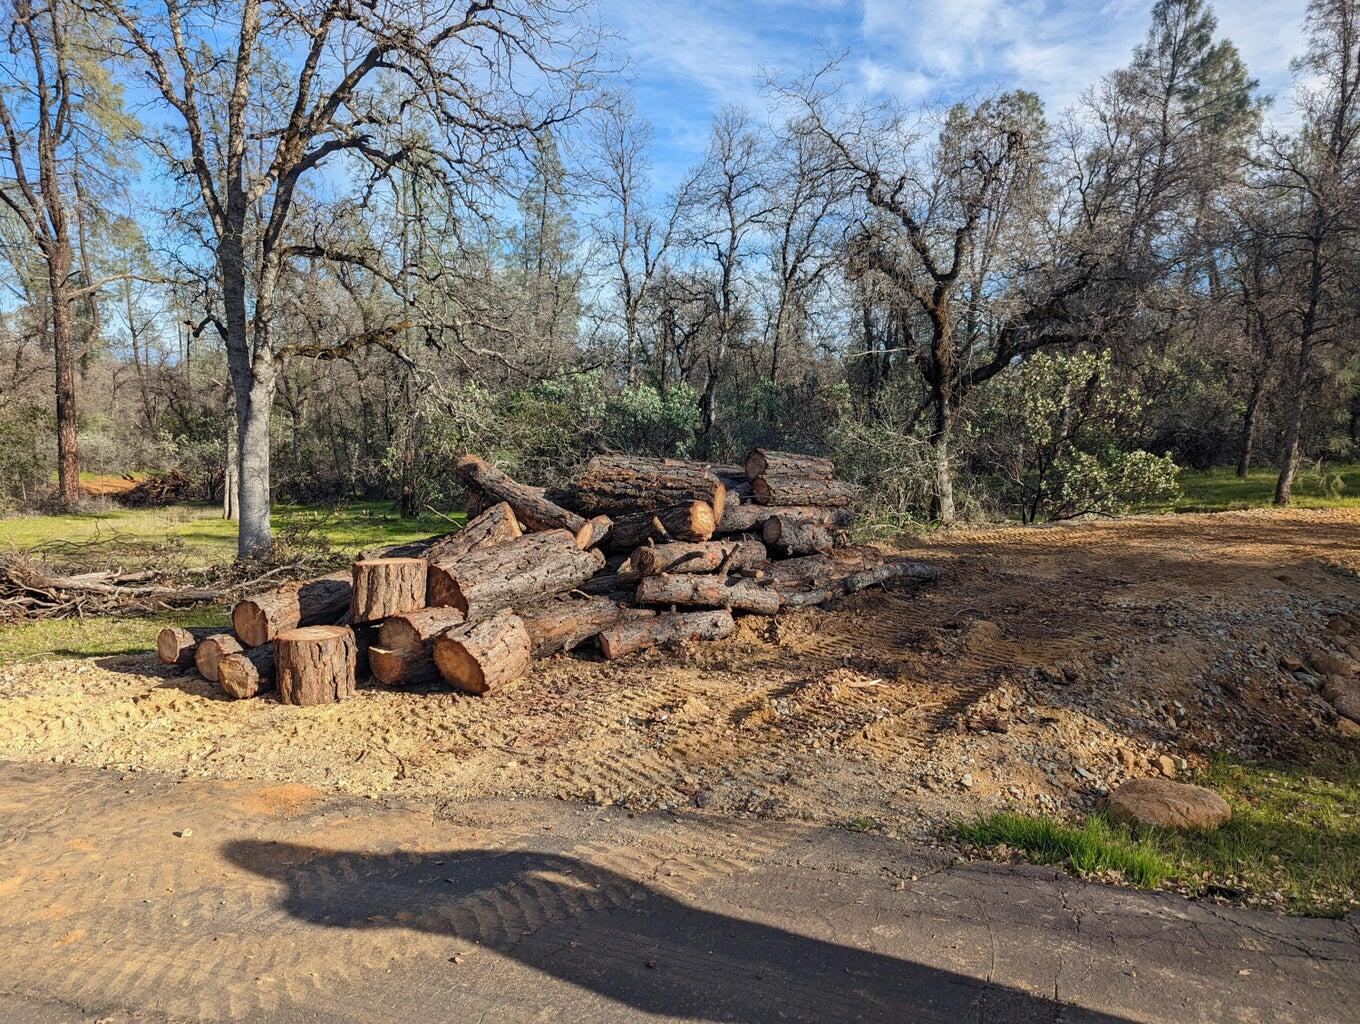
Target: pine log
pixel 790 536
pixel 386 586
pixel 522 570
pixel 487 654
pixel 532 509
pixel 897 569
pixel 562 623
pixel 781 489
pixel 211 649
pixel 262 617
pixel 176 644
pixel 687 521
pixel 600 529
pixel 404 652
pixel 247 673
pixel 630 635
pixel 624 484
pixel 748 517
pixel 763 460
pixel 494 525
pixel 706 556
pixel 819 578
pixel 315 664
pixel 709 592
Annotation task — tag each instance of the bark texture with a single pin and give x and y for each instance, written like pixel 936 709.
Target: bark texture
pixel 626 484
pixel 261 618
pixel 537 565
pixel 709 592
pixel 752 517
pixel 485 655
pixel 316 664
pixel 707 556
pixel 247 673
pixel 386 586
pixel 632 635
pixel 565 622
pixel 405 649
pixel 175 645
pixel 494 525
pixel 687 521
pixel 778 489
pixel 763 460
pixel 211 650
pixel 532 509
pixel 789 536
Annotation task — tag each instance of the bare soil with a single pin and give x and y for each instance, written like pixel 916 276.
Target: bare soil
pixel 1104 650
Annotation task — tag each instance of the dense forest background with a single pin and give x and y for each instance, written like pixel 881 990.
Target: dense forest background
pixel 318 251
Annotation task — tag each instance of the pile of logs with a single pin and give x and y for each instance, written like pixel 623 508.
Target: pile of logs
pixel 639 553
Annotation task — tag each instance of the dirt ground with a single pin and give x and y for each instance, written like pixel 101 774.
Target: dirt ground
pixel 1045 667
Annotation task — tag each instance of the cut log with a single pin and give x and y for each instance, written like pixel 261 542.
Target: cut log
pixel 262 617
pixel 779 489
pixel 706 556
pixel 176 644
pixel 565 622
pixel 600 528
pixel 494 525
pixel 791 536
pixel 404 652
pixel 749 517
pixel 709 592
pixel 211 649
pixel 247 673
pixel 532 509
pixel 820 578
pixel 763 460
pixel 624 484
pixel 898 569
pixel 520 571
pixel 386 586
pixel 315 664
pixel 630 635
pixel 688 521
pixel 480 657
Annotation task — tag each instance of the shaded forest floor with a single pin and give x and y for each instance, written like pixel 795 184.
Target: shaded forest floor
pixel 1105 651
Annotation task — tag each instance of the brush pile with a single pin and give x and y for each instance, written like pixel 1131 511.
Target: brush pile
pixel 639 553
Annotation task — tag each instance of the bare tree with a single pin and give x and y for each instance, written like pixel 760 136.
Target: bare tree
pixel 264 109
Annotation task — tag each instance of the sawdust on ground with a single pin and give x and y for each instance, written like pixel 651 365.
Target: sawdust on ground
pixel 1047 666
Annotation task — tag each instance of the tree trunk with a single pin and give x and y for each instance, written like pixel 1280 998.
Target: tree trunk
pixel 496 525
pixel 211 650
pixel 405 648
pixel 481 583
pixel 262 617
pixel 315 664
pixel 778 489
pixel 1248 435
pixel 481 657
pixel 624 484
pixel 942 501
pixel 752 518
pixel 708 556
pixel 565 622
pixel 531 508
pixel 231 479
pixel 386 586
pixel 689 521
pixel 63 355
pixel 792 536
pixel 709 592
pixel 763 460
pixel 255 538
pixel 633 635
pixel 175 645
pixel 247 673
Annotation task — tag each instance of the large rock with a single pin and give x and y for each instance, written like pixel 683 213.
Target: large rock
pixel 1328 664
pixel 1348 705
pixel 1168 804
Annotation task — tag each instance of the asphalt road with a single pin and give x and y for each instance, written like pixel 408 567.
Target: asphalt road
pixel 137 898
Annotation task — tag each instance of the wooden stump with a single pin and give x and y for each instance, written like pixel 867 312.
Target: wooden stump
pixel 261 617
pixel 386 586
pixel 562 623
pixel 630 635
pixel 248 672
pixel 791 536
pixel 709 591
pixel 688 521
pixel 176 644
pixel 315 664
pixel 211 650
pixel 531 567
pixel 531 508
pixel 485 655
pixel 495 525
pixel 704 557
pixel 762 461
pixel 405 649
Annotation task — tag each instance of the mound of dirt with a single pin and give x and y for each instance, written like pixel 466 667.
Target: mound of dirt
pixel 1047 667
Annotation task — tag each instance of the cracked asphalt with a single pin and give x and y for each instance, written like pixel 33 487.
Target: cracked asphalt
pixel 139 898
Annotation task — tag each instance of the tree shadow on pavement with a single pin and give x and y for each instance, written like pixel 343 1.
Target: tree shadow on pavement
pixel 631 942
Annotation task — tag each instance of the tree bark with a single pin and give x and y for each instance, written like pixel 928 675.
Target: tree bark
pixel 211 650
pixel 247 673
pixel 386 586
pixel 531 508
pixel 316 664
pixel 763 460
pixel 630 636
pixel 405 648
pixel 625 484
pixel 790 536
pixel 486 655
pixel 495 525
pixel 481 583
pixel 63 354
pixel 777 489
pixel 709 591
pixel 688 521
pixel 262 617
pixel 565 622
pixel 749 518
pixel 176 644
pixel 707 556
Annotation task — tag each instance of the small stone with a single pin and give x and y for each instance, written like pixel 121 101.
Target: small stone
pixel 1166 766
pixel 184 833
pixel 1127 757
pixel 1168 804
pixel 967 781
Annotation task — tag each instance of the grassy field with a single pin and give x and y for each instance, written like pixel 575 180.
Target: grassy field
pixel 1333 486
pixel 1294 838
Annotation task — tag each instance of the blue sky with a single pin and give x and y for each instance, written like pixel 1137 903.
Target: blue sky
pixel 689 59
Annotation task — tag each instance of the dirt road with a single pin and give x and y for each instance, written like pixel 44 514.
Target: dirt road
pixel 1106 650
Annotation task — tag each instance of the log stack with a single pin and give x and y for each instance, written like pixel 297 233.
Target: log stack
pixel 637 553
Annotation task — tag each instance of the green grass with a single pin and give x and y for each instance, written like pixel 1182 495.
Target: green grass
pixel 98 637
pixel 1218 490
pixel 1294 839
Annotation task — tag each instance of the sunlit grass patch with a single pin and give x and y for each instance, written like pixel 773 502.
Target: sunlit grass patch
pixel 1092 847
